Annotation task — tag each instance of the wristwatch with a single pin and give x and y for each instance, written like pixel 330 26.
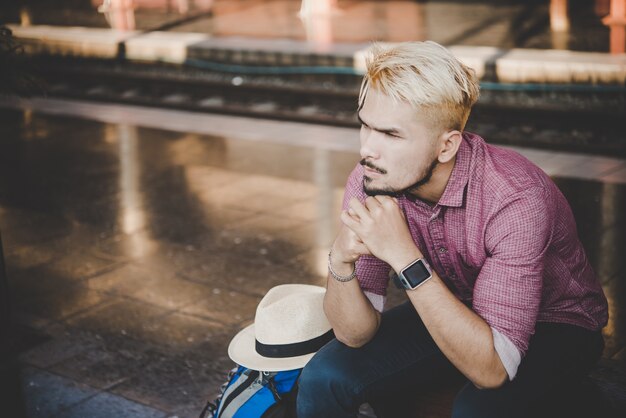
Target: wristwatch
pixel 413 275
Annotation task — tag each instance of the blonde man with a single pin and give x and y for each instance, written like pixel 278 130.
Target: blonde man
pixel 499 287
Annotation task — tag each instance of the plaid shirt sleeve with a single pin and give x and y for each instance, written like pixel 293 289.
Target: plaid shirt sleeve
pixel 372 273
pixel 507 292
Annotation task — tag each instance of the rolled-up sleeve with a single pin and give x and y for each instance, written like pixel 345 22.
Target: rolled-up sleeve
pixel 507 292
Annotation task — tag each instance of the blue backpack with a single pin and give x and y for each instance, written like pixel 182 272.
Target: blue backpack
pixel 252 394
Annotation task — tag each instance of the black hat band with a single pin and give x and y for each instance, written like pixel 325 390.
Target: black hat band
pixel 294 349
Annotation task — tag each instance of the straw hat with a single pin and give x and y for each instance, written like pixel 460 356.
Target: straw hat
pixel 289 327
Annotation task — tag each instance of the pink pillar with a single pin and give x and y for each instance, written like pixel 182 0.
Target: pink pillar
pixel 317 18
pixel 559 21
pixel 317 7
pixel 616 20
pixel 182 6
pixel 119 13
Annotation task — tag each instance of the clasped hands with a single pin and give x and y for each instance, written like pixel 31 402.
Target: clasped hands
pixel 377 227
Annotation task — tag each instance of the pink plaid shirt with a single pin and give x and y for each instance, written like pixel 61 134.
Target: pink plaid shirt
pixel 503 239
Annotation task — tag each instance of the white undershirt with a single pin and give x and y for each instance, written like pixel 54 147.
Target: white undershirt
pixel 509 355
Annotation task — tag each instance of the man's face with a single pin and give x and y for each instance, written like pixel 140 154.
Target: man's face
pixel 398 152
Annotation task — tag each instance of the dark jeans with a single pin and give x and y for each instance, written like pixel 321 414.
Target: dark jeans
pixel 402 359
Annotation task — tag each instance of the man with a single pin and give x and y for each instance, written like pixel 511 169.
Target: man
pixel 484 243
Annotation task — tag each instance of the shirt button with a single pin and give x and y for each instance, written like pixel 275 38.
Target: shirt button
pixel 442 250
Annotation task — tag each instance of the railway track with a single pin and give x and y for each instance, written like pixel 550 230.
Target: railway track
pixel 316 101
pixel 586 120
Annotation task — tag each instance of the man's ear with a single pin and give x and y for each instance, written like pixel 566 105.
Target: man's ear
pixel 450 142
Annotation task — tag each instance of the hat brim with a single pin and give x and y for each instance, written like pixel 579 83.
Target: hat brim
pixel 242 351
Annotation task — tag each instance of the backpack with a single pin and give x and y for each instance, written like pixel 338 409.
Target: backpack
pixel 253 394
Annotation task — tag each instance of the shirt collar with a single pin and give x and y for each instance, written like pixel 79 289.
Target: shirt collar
pixel 455 189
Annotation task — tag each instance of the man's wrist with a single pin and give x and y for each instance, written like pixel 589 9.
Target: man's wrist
pixel 340 270
pixel 405 258
pixel 338 262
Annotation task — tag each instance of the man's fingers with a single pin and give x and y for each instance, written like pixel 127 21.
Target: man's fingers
pixel 349 220
pixel 386 201
pixel 358 208
pixel 353 227
pixel 381 198
pixel 362 249
pixel 390 204
pixel 372 203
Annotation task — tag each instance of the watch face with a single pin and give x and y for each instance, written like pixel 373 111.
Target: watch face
pixel 416 274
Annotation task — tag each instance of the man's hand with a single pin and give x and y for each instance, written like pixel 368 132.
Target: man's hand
pixel 381 227
pixel 351 314
pixel 346 251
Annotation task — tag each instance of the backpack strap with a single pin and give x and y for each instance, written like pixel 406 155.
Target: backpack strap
pixel 210 408
pixel 286 408
pixel 246 378
pixel 272 386
pixel 208 411
pixel 232 405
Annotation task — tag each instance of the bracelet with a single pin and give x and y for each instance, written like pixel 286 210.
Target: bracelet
pixel 339 278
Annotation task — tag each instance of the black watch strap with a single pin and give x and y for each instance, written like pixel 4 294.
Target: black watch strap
pixel 396 281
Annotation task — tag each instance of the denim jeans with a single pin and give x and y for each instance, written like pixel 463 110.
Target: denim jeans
pixel 402 359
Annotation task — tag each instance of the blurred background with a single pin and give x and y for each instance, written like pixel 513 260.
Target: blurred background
pixel 163 163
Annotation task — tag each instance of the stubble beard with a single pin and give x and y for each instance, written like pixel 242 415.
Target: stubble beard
pixel 426 176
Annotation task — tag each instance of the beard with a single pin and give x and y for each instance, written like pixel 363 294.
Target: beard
pixel 425 177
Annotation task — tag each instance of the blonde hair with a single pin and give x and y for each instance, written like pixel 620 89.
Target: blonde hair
pixel 427 76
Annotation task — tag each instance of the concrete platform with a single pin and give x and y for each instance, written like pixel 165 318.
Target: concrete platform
pixel 139 241
pixel 511 66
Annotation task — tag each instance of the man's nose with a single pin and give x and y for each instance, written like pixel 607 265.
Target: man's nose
pixel 370 142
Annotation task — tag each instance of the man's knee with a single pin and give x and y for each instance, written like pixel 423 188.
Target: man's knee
pixel 472 402
pixel 316 375
pixel 328 381
pixel 329 370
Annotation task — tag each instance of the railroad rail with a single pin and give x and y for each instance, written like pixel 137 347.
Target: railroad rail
pixel 573 118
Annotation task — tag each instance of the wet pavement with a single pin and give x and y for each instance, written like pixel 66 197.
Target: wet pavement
pixel 138 253
pixel 134 254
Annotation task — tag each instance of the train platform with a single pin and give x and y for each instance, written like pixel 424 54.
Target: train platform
pixel 138 241
pixel 508 42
